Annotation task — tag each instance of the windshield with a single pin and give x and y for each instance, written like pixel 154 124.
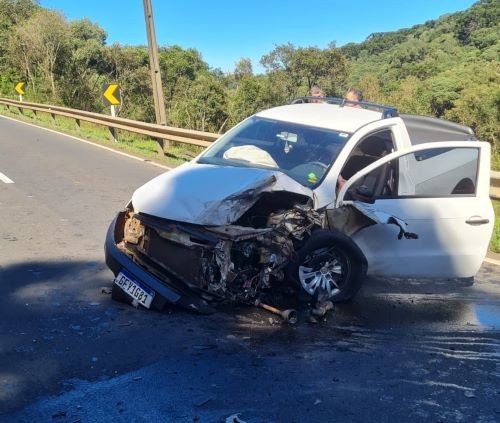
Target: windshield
pixel 302 152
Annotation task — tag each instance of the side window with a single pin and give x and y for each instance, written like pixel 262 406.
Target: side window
pixel 437 172
pixel 369 150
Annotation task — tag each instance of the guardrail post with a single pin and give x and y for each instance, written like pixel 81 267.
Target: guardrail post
pixel 160 146
pixel 34 114
pixel 53 118
pixel 112 134
pixel 77 125
pixel 112 130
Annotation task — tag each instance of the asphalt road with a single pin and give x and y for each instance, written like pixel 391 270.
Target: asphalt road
pixel 401 351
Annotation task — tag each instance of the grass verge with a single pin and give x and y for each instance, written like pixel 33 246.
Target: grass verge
pixel 144 147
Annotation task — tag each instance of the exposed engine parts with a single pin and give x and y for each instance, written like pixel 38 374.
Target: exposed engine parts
pixel 229 263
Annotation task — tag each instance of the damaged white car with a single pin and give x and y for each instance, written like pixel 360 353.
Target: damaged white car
pixel 306 199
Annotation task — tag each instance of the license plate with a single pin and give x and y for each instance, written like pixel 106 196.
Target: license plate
pixel 138 292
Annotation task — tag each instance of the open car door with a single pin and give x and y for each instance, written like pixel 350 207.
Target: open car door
pixel 437 194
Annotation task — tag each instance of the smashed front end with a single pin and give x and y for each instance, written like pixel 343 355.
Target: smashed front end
pixel 205 264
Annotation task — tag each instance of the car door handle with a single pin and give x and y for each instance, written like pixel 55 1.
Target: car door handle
pixel 477 220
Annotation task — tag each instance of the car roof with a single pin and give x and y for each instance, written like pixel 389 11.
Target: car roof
pixel 323 115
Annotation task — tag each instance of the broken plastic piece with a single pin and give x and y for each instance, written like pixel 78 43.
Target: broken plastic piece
pixel 379 216
pixel 402 232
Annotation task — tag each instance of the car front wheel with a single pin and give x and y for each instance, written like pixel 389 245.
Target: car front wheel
pixel 328 266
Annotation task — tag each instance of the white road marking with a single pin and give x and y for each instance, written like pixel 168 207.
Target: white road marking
pixel 5 178
pixel 121 153
pixel 492 261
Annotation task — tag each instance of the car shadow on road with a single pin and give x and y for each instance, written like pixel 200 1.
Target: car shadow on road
pixel 59 323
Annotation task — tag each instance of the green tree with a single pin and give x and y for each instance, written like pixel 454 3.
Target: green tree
pixel 84 66
pixel 12 13
pixel 279 65
pixel 483 14
pixel 408 97
pixel 478 103
pixel 248 98
pixel 178 64
pixel 440 93
pixel 369 84
pixel 243 68
pixel 298 69
pixel 38 47
pixel 129 67
pixel 200 104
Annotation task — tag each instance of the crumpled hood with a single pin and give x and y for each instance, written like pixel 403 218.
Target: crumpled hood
pixel 208 194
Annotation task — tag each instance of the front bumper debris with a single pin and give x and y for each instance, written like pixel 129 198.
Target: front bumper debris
pixel 196 266
pixel 117 260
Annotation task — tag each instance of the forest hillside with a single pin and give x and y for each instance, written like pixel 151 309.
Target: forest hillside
pixel 448 67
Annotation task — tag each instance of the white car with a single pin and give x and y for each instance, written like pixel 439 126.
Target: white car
pixel 307 199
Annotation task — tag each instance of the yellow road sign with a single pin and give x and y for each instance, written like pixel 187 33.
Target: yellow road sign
pixel 111 94
pixel 20 87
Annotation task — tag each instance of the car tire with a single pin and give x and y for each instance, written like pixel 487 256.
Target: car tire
pixel 328 266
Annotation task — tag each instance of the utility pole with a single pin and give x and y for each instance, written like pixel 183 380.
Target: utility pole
pixel 154 66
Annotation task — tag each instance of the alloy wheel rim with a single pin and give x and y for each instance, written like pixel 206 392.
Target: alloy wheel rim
pixel 324 270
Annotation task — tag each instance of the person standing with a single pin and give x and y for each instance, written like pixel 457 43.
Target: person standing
pixel 315 91
pixel 353 95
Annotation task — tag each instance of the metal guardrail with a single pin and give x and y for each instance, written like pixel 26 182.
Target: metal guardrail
pixel 495 185
pixel 187 136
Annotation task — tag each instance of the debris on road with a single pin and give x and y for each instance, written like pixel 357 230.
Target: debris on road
pixel 201 404
pixel 321 308
pixel 129 323
pixel 234 419
pixel 204 347
pixel 288 316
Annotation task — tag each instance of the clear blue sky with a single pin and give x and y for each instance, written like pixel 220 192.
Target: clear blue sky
pixel 224 31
